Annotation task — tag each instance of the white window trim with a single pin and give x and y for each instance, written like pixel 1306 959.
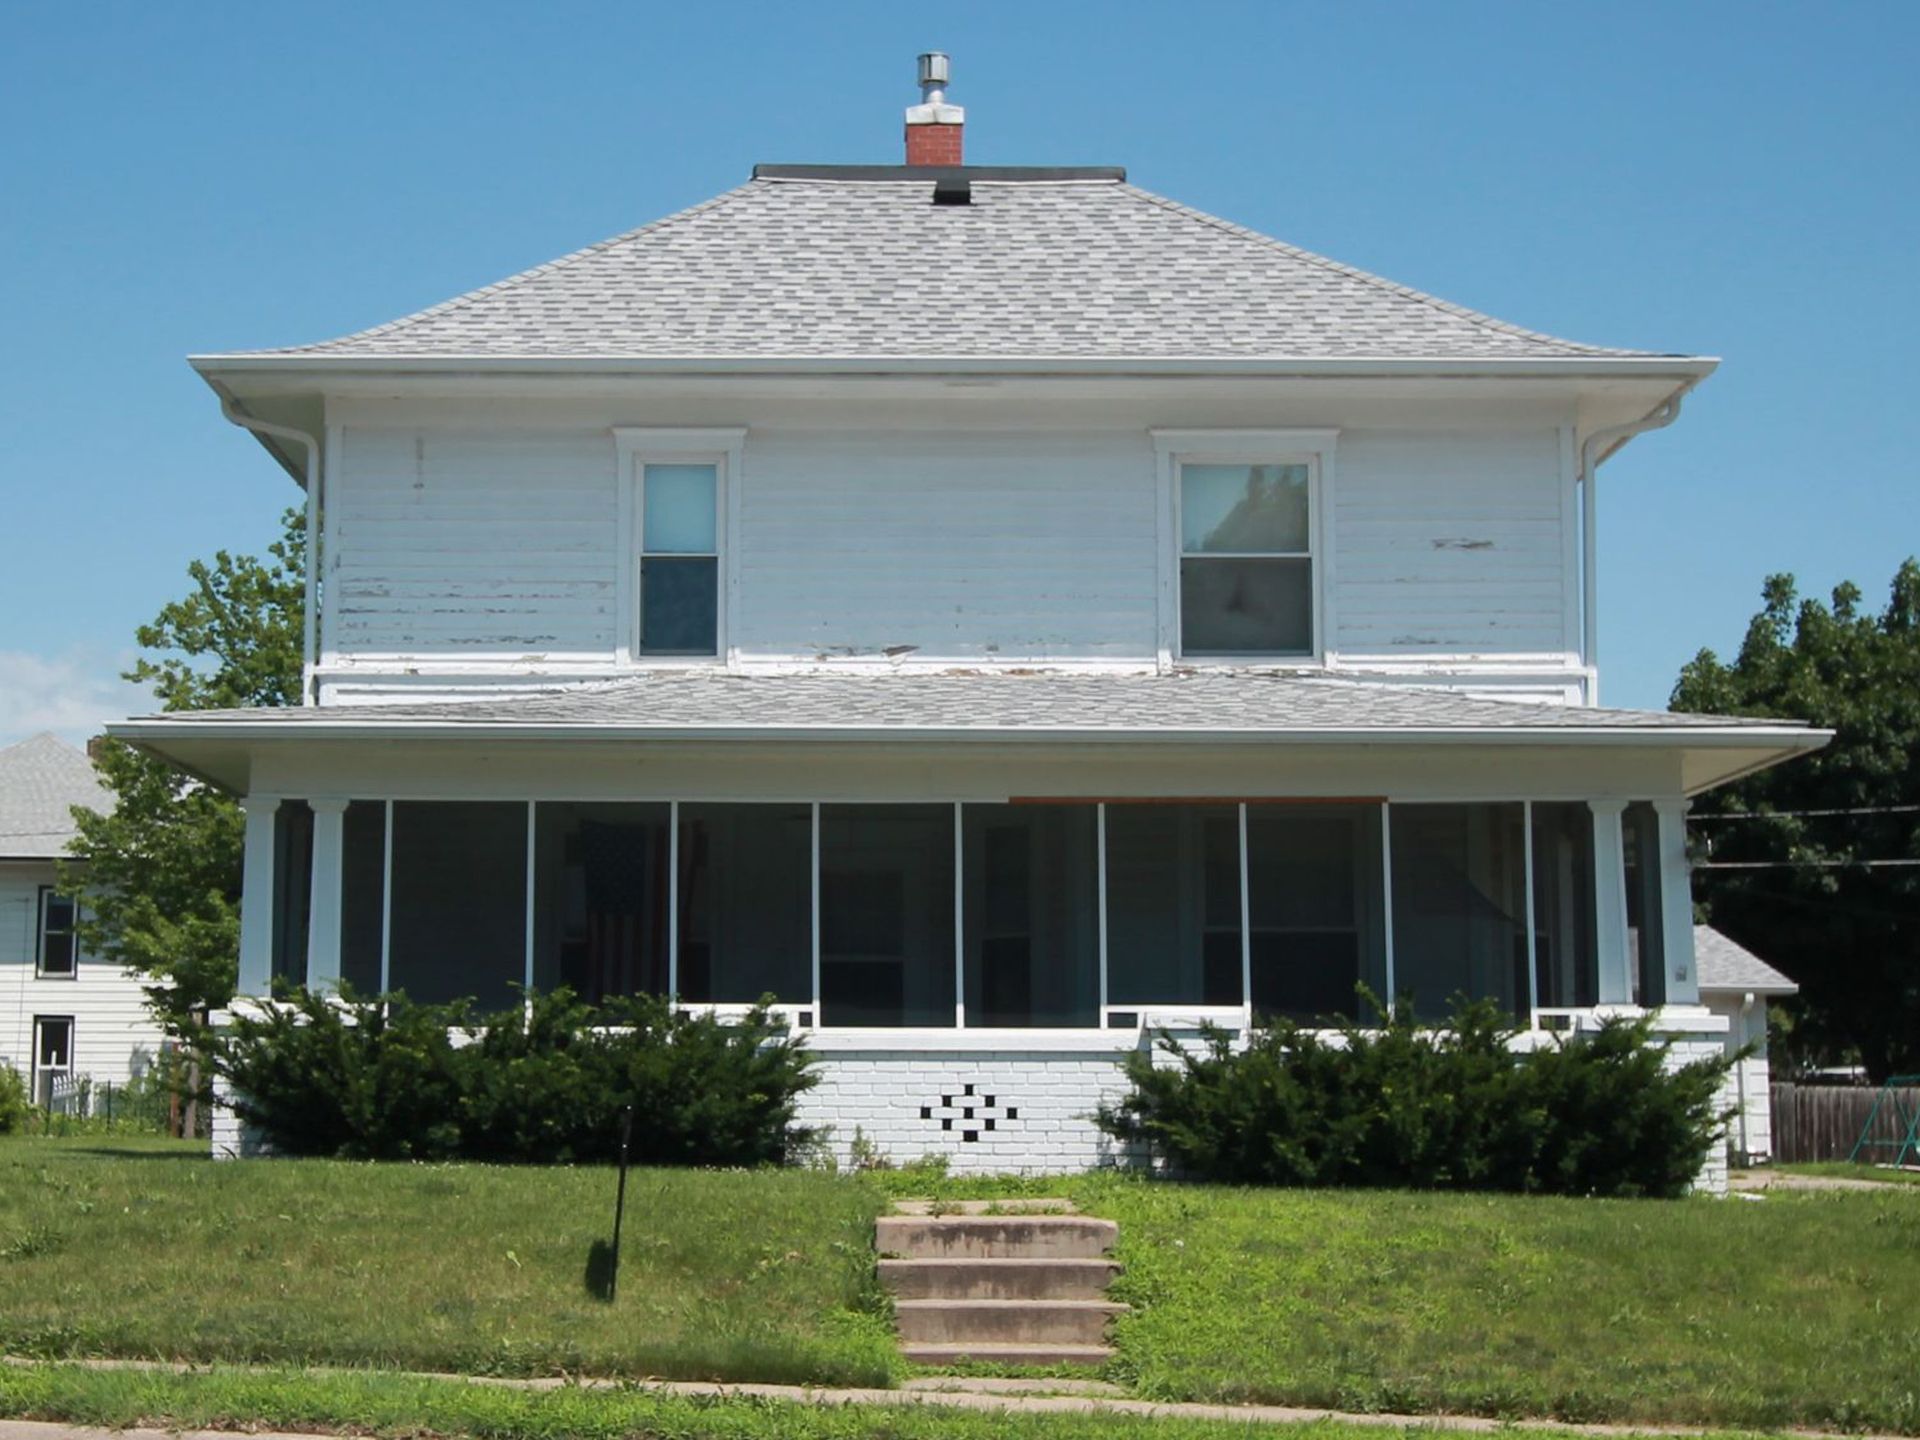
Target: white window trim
pixel 1314 448
pixel 636 447
pixel 48 894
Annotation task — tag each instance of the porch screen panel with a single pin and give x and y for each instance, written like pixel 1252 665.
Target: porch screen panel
pixel 363 858
pixel 600 898
pixel 1032 915
pixel 886 915
pixel 1459 905
pixel 1173 905
pixel 292 890
pixel 459 900
pixel 1646 942
pixel 1565 949
pixel 746 903
pixel 1317 909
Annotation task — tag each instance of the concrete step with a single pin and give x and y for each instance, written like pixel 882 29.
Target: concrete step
pixel 1004 1322
pixel 998 1279
pixel 985 1237
pixel 1008 1354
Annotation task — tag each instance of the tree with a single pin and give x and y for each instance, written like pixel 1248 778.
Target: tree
pixel 160 875
pixel 1822 903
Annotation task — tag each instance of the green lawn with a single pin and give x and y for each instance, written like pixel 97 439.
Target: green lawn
pixel 150 1250
pixel 1795 1309
pixel 1841 1170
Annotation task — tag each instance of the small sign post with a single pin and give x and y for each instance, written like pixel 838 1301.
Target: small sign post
pixel 620 1202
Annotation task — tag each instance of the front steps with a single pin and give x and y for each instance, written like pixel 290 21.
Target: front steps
pixel 1024 1289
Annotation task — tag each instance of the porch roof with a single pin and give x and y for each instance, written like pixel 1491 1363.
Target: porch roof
pixel 1727 967
pixel 982 706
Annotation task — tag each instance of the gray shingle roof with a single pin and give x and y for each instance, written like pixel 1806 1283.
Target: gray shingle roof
pixel 41 778
pixel 1724 965
pixel 987 702
pixel 1033 268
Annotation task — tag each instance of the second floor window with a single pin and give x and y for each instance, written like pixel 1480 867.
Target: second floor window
pixel 59 952
pixel 1246 558
pixel 679 559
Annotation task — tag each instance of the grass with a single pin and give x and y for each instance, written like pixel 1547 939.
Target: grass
pixel 1794 1310
pixel 405 1407
pixel 149 1250
pixel 1791 1310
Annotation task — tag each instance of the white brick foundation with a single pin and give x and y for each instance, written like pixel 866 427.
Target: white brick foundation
pixel 1031 1111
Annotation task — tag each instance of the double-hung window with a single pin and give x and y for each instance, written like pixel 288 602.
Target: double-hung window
pixel 674 510
pixel 58 953
pixel 1245 509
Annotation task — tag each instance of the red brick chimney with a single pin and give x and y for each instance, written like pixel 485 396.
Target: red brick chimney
pixel 934 128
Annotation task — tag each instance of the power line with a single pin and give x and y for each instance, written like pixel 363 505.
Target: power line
pixel 1805 864
pixel 1798 814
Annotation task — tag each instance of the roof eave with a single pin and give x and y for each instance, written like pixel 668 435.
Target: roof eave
pixel 1559 367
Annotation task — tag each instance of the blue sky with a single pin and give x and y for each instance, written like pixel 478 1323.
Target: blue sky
pixel 1729 179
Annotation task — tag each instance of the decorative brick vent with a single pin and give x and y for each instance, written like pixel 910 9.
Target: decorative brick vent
pixel 971 1113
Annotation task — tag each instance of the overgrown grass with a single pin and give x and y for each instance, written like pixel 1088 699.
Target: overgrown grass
pixel 151 1251
pixel 408 1407
pixel 1794 1310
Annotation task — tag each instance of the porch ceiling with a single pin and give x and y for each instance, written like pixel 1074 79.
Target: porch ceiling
pixel 969 709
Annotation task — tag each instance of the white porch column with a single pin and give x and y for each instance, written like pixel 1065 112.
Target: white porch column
pixel 323 920
pixel 256 897
pixel 1610 902
pixel 1676 903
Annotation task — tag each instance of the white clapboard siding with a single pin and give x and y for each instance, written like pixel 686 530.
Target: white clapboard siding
pixel 1449 543
pixel 492 543
pixel 114 1035
pixel 969 545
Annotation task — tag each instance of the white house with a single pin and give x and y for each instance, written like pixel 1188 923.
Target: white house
pixel 994 610
pixel 63 1014
pixel 1736 984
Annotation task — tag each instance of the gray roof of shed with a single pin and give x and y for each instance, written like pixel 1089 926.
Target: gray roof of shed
pixel 984 702
pixel 41 779
pixel 829 262
pixel 1724 965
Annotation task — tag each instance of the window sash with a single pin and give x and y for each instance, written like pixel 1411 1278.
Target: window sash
pixel 51 932
pixel 1310 461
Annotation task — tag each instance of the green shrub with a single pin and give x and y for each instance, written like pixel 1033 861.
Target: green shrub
pixel 1456 1107
pixel 16 1107
pixel 544 1083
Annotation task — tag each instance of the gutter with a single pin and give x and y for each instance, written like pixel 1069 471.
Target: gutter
pixel 1595 449
pixel 230 408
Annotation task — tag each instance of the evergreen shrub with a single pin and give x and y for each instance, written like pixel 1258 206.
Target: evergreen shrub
pixel 1457 1106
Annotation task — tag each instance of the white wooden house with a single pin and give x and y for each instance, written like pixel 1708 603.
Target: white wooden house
pixel 1738 985
pixel 65 1015
pixel 993 610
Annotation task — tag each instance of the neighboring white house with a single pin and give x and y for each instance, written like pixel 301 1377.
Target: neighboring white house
pixel 63 1014
pixel 1736 983
pixel 994 610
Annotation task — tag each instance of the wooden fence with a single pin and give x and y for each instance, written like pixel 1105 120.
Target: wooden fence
pixel 1822 1122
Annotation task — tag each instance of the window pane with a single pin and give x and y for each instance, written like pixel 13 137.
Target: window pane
pixel 1315 902
pixel 746 902
pixel 1173 905
pixel 363 846
pixel 1246 607
pixel 459 900
pixel 1258 508
pixel 292 889
pixel 1032 915
pixel 600 899
pixel 55 1051
pixel 1564 946
pixel 679 605
pixel 1646 944
pixel 59 913
pixel 1459 905
pixel 679 509
pixel 56 953
pixel 886 915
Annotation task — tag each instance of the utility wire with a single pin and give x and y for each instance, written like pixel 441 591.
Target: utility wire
pixel 1797 814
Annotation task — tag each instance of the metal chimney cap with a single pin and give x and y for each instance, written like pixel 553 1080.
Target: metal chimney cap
pixel 935 68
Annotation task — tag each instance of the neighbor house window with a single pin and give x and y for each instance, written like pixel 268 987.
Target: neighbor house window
pixel 673 519
pixel 58 955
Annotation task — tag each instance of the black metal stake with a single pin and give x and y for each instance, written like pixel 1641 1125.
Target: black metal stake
pixel 620 1203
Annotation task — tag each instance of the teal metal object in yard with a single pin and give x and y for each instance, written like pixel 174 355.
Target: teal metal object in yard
pixel 1906 1148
